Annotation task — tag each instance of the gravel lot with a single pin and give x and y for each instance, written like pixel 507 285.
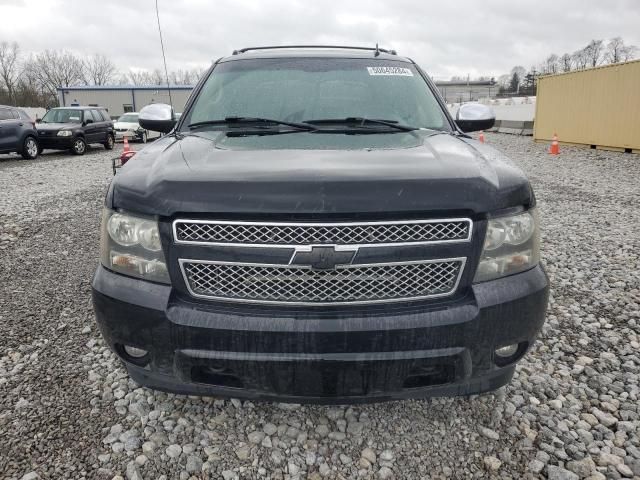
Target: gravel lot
pixel 68 410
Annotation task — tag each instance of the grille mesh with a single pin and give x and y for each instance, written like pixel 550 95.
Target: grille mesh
pixel 284 284
pixel 309 234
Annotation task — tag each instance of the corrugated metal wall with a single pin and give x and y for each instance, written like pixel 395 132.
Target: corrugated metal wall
pixel 599 106
pixel 112 100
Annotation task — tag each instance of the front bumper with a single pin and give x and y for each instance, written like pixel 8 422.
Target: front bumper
pixel 131 135
pixel 331 355
pixel 55 143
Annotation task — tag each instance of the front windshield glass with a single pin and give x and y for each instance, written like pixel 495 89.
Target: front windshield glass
pixel 129 118
pixel 302 89
pixel 63 115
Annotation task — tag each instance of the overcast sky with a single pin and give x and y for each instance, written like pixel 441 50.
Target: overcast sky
pixel 446 37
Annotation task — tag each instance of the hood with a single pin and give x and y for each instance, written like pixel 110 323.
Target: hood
pixel 421 172
pixel 127 125
pixel 55 126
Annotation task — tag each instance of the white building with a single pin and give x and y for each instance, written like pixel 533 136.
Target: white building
pixel 120 99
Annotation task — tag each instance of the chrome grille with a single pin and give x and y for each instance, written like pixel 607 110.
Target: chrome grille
pixel 302 285
pixel 291 234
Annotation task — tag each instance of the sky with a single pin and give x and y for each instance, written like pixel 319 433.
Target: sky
pixel 446 38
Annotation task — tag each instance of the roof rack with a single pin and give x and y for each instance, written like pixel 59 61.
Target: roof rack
pixel 375 49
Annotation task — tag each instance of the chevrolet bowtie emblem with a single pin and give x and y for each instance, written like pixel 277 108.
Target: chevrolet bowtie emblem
pixel 323 257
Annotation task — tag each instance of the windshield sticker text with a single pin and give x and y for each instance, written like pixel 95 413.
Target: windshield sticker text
pixel 397 71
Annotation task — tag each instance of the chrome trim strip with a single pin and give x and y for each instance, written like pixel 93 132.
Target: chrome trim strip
pixel 320 224
pixel 183 261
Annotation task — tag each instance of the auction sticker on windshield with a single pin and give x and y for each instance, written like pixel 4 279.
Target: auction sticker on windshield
pixel 400 71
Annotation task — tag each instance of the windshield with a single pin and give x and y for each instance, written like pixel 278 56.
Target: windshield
pixel 129 118
pixel 302 89
pixel 62 115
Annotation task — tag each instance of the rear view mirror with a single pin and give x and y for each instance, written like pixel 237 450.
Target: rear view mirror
pixel 157 117
pixel 472 117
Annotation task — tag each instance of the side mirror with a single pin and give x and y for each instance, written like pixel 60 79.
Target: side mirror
pixel 38 120
pixel 157 117
pixel 472 117
pixel 88 121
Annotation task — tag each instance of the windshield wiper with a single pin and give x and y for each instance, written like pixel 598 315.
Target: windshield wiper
pixel 361 122
pixel 248 120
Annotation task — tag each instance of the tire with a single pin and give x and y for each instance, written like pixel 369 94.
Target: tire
pixel 144 137
pixel 79 146
pixel 30 148
pixel 109 144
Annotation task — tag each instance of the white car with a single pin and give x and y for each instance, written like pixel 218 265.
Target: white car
pixel 127 125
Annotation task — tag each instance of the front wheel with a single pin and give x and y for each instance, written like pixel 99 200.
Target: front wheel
pixel 79 146
pixel 143 137
pixel 30 148
pixel 110 142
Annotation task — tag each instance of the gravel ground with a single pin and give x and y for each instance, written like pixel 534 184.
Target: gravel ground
pixel 68 409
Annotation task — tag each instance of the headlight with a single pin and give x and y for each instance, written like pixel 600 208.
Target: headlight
pixel 64 133
pixel 511 245
pixel 131 245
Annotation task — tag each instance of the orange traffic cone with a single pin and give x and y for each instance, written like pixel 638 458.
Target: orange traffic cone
pixel 126 145
pixel 481 137
pixel 554 149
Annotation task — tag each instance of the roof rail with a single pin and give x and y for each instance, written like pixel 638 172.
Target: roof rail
pixel 375 49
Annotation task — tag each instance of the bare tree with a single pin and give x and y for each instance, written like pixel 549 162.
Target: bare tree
pixel 503 81
pixel 99 70
pixel 157 77
pixel 185 77
pixel 615 47
pixel 580 59
pixel 139 78
pixel 618 52
pixel 593 52
pixel 29 92
pixel 56 68
pixel 517 76
pixel 565 63
pixel 629 53
pixel 179 77
pixel 9 68
pixel 551 64
pixel 519 70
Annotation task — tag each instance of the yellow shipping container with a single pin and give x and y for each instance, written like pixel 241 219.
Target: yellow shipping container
pixel 598 107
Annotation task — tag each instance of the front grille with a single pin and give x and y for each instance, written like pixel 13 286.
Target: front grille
pixel 303 285
pixel 291 234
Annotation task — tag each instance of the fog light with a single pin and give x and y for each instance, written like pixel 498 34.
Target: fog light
pixel 135 352
pixel 507 351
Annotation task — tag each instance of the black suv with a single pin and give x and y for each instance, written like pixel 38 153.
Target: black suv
pixel 317 228
pixel 74 128
pixel 17 133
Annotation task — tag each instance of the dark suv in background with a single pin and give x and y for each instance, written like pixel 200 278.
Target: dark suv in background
pixel 18 133
pixel 74 128
pixel 317 227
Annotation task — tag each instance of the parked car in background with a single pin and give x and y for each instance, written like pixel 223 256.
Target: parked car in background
pixel 127 126
pixel 74 128
pixel 18 133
